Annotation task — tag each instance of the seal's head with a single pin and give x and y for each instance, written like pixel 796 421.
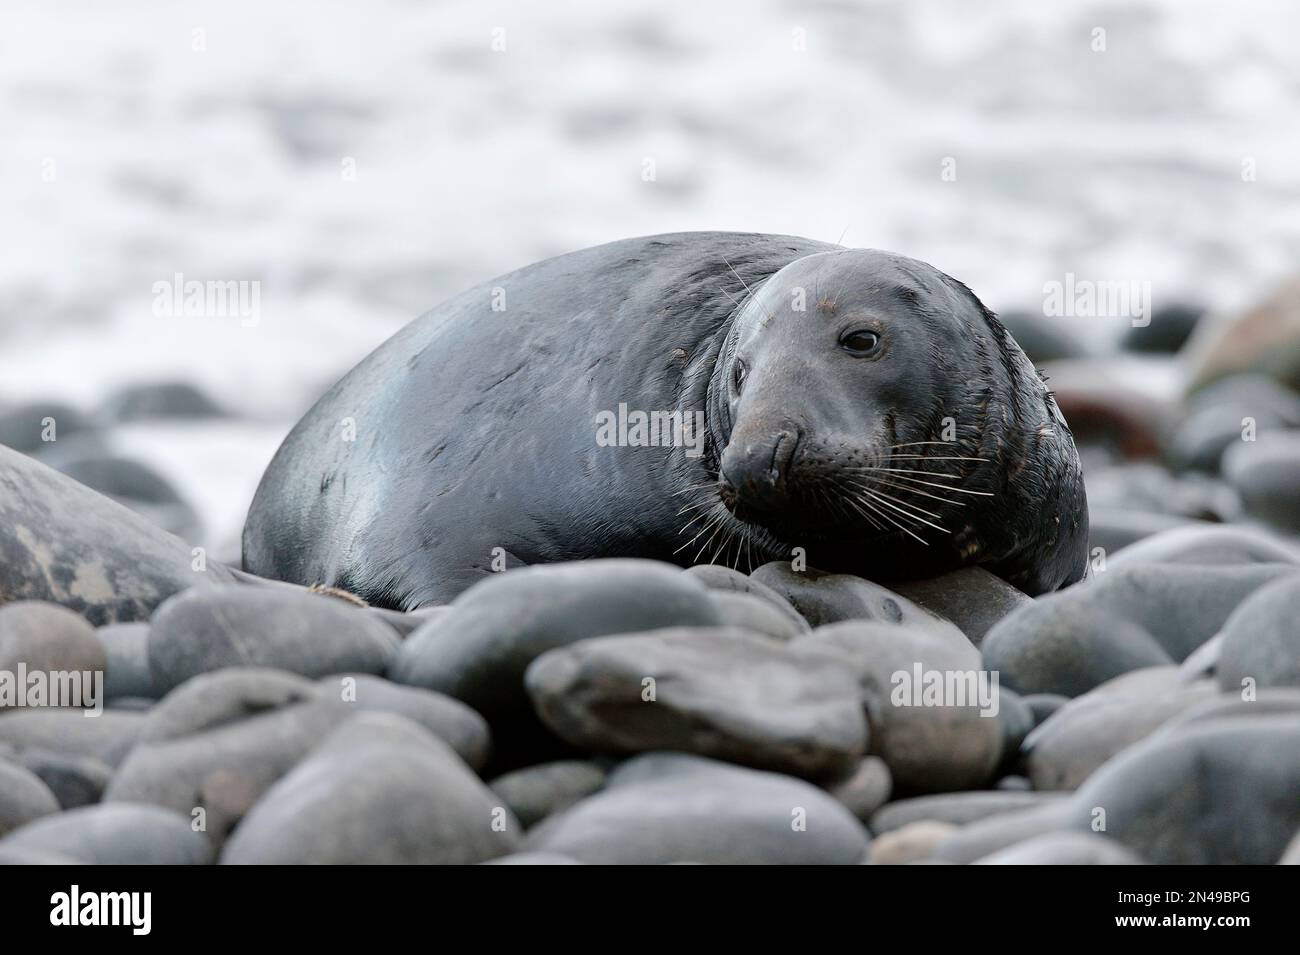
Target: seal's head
pixel 869 408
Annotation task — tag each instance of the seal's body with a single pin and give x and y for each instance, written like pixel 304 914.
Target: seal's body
pixel 858 405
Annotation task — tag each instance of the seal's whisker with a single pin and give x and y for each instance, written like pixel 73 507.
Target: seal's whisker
pixel 912 490
pixel 880 496
pixel 933 457
pixel 691 507
pixel 707 524
pixel 891 520
pixel 718 526
pixel 737 275
pixel 857 503
pixel 938 474
pixel 838 503
pixel 734 537
pixel 867 498
pixel 692 540
pixel 946 487
pixel 912 444
pixel 723 545
pixel 737 538
pixel 871 517
pixel 874 520
pixel 697 517
pixel 694 487
pixel 916 507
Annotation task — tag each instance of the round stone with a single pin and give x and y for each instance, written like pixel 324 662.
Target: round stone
pixel 210 628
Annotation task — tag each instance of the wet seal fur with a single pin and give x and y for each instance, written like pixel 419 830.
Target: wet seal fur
pixel 829 379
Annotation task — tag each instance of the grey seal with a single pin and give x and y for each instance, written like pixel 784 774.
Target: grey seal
pixel 851 408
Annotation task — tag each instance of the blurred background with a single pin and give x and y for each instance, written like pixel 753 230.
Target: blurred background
pixel 363 161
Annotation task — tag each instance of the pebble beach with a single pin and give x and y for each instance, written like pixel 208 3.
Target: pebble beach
pixel 627 711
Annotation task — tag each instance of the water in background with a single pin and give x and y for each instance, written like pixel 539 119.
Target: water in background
pixel 216 140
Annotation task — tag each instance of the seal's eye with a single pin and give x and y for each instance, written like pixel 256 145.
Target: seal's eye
pixel 738 372
pixel 860 342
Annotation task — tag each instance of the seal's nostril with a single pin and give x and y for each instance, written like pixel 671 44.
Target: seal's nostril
pixel 787 442
pixel 755 467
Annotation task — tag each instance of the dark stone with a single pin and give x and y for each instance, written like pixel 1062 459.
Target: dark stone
pixel 221 698
pixel 1063 848
pixel 927 748
pixel 725 579
pixel 64 543
pixel 1090 729
pixel 668 807
pixel 445 717
pixel 1205 544
pixel 73 732
pixel 1043 705
pixel 138 487
pixel 15 855
pixel 759 616
pixel 74 780
pixel 823 598
pixel 1218 792
pixel 957 809
pixel 122 478
pixel 25 427
pixel 115 835
pixel 1126 618
pixel 1261 640
pixel 719 692
pixel 865 788
pixel 1270 701
pixel 1167 331
pixel 310 634
pixel 23 797
pixel 1112 529
pixel 218 742
pixel 971 598
pixel 48 639
pixel 1220 415
pixel 533 858
pixel 1150 489
pixel 167 399
pixel 536 792
pixel 405 624
pixel 126 646
pixel 992 833
pixel 380 790
pixel 1041 338
pixel 1017 720
pixel 1266 473
pixel 478 650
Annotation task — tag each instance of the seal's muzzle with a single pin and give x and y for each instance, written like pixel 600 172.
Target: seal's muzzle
pixel 756 467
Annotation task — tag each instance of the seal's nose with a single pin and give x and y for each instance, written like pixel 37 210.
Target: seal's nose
pixel 757 466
